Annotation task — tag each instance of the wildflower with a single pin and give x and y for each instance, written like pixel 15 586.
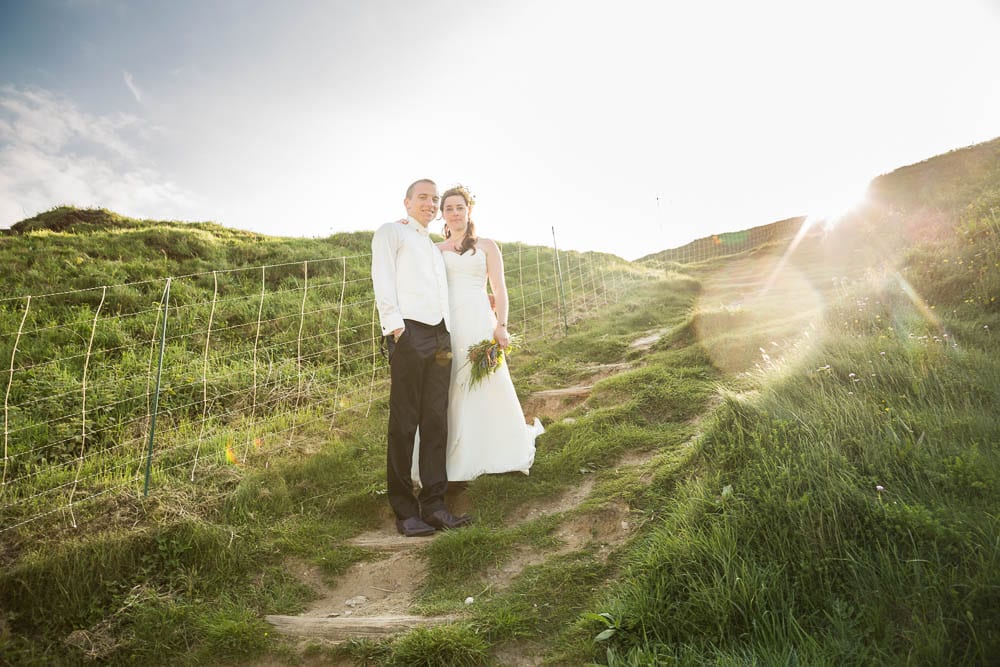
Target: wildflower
pixel 485 357
pixel 879 488
pixel 231 456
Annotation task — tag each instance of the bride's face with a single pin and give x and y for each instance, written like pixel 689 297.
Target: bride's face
pixel 456 215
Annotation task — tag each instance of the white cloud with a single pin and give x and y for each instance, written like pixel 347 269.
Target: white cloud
pixel 52 153
pixel 132 85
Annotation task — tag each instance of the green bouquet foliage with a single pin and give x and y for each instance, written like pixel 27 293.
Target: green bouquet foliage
pixel 486 356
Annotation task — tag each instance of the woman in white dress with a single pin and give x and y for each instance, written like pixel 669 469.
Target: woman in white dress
pixel 486 428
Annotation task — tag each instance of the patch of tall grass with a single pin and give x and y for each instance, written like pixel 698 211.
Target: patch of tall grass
pixel 843 512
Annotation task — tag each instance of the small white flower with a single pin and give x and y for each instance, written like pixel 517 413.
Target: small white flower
pixel 879 488
pixel 469 600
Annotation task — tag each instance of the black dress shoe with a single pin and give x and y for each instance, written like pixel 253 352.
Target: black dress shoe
pixel 445 520
pixel 413 527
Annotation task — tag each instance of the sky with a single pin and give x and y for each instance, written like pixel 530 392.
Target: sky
pixel 628 127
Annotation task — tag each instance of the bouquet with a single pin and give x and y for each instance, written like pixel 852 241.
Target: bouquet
pixel 485 357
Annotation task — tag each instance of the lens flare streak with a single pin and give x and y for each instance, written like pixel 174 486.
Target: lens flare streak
pixel 918 302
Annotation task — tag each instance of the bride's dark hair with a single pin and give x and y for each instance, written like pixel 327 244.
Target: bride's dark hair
pixel 470 238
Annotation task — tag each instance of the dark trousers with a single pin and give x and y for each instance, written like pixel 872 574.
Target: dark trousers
pixel 420 371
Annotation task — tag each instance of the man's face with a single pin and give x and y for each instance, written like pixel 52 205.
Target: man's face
pixel 422 205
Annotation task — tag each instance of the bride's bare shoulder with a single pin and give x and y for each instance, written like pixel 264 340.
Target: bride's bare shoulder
pixel 489 245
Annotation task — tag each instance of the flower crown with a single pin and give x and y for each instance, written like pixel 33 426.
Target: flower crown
pixel 460 189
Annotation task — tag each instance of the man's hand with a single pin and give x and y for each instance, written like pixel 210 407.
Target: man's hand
pixel 397 333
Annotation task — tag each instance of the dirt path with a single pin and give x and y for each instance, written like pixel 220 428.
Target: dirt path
pixel 373 598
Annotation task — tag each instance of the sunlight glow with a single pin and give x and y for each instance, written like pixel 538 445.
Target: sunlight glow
pixel 827 212
pixel 757 312
pixel 918 302
pixel 840 203
pixel 799 235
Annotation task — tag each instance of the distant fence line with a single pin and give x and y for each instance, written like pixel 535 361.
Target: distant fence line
pixel 108 385
pixel 731 243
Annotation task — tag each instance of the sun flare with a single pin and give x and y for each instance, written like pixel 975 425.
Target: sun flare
pixel 838 204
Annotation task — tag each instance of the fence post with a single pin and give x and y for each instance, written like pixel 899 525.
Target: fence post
pixel 83 404
pixel 520 285
pixel 562 293
pixel 375 349
pixel 204 372
pixel 604 282
pixel 6 399
pixel 156 396
pixel 340 318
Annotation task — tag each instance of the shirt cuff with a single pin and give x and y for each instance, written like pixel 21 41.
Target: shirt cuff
pixel 391 324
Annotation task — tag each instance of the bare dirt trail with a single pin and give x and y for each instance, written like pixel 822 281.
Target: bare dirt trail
pixel 373 598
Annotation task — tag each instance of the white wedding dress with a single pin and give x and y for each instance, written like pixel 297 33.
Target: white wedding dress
pixel 486 428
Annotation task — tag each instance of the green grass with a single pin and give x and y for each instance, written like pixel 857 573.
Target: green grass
pixel 779 546
pixel 829 501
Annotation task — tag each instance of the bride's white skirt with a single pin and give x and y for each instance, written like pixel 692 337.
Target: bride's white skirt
pixel 486 431
pixel 486 428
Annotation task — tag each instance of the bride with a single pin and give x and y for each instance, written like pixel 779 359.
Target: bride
pixel 486 428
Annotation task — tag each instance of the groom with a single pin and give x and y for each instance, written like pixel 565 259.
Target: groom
pixel 411 292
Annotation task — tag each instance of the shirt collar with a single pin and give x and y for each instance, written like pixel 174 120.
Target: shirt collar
pixel 420 229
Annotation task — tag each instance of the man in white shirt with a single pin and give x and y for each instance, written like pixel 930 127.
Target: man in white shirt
pixel 411 292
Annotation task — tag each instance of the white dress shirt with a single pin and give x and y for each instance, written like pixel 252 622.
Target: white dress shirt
pixel 409 276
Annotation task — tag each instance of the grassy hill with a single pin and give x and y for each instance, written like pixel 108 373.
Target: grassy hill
pixel 728 243
pixel 800 467
pixel 66 249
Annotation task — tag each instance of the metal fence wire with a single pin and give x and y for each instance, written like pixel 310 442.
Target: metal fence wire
pixel 109 389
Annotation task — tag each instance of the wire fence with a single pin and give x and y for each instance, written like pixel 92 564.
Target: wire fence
pixel 110 389
pixel 732 243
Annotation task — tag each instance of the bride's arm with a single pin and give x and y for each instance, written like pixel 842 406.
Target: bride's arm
pixel 494 271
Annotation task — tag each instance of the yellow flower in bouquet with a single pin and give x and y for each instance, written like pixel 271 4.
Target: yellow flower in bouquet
pixel 485 357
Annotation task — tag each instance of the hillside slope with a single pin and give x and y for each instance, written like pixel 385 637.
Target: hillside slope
pixel 68 248
pixel 781 456
pixel 907 201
